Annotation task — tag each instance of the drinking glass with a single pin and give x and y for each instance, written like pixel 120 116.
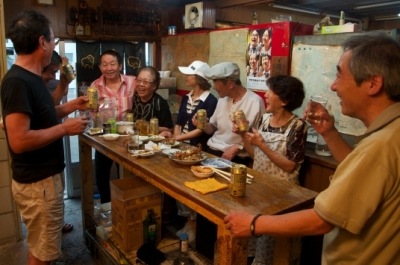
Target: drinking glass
pixel 321 148
pixel 144 128
pixel 133 141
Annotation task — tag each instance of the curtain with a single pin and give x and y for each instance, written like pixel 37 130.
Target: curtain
pixel 134 57
pixel 87 63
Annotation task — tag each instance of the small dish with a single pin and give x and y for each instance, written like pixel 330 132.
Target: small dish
pixel 111 136
pixel 170 151
pixel 156 138
pixel 144 139
pixel 95 131
pixel 173 145
pixel 143 153
pixel 218 163
pixel 202 171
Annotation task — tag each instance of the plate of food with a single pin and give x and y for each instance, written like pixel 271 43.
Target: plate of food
pixel 217 163
pixel 143 153
pixel 144 139
pixel 170 142
pixel 170 151
pixel 185 158
pixel 95 131
pixel 202 171
pixel 157 138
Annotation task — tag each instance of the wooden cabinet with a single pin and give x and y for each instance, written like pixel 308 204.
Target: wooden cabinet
pixel 316 170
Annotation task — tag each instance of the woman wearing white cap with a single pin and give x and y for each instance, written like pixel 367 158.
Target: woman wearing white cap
pixel 198 98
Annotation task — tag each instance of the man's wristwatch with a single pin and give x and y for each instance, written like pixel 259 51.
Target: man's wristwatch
pixel 253 225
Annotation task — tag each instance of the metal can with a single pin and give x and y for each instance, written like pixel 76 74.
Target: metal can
pixel 93 96
pixel 129 117
pixel 153 128
pixel 237 186
pixel 106 128
pixel 201 119
pixel 240 120
pixel 69 72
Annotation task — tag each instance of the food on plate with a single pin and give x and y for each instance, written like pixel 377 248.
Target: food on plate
pixel 156 147
pixel 157 138
pixel 143 152
pixel 169 141
pixel 200 169
pixel 192 153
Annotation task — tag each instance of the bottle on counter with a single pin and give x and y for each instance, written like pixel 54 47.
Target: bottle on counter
pixel 149 228
pixel 106 110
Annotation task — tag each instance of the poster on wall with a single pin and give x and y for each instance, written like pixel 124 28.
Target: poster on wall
pixel 258 58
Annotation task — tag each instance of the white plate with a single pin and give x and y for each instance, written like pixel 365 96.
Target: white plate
pixel 92 132
pixel 170 151
pixel 144 138
pixel 174 145
pixel 217 163
pixel 143 153
pixel 110 136
pixel 188 162
pixel 157 138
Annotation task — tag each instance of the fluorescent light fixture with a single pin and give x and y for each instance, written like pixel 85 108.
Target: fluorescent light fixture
pixel 386 18
pixel 377 5
pixel 345 18
pixel 295 9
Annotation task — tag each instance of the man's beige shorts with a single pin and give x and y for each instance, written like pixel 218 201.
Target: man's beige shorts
pixel 41 205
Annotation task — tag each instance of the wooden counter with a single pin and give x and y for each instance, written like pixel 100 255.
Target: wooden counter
pixel 266 195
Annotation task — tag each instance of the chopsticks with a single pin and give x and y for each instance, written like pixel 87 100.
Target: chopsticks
pixel 227 176
pixel 226 164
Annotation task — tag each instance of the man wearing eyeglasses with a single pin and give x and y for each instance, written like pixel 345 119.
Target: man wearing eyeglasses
pixel 119 89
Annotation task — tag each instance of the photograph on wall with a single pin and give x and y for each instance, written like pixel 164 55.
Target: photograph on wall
pixel 258 58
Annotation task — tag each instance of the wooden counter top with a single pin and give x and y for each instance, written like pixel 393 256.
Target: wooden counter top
pixel 266 195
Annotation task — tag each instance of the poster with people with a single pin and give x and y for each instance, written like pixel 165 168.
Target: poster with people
pixel 258 58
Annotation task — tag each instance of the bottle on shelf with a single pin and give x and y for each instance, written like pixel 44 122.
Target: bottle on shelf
pixel 255 19
pixel 149 228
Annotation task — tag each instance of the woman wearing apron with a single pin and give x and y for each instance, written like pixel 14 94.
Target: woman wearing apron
pixel 277 145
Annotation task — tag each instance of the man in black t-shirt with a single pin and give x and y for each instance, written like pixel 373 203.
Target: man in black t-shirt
pixel 34 136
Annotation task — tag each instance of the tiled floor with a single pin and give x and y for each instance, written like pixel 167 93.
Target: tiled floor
pixel 74 250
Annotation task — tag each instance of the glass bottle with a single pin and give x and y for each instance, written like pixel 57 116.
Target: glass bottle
pixel 149 228
pixel 97 205
pixel 106 110
pixel 255 19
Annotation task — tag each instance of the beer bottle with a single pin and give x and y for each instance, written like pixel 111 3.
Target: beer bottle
pixel 149 228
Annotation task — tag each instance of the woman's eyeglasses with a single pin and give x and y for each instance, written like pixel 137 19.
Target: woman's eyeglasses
pixel 144 82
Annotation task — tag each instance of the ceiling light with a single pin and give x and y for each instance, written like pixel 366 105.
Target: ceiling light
pixel 377 5
pixel 295 9
pixel 380 18
pixel 346 17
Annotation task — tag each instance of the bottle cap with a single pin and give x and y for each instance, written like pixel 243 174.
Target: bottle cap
pixel 183 236
pixel 96 196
